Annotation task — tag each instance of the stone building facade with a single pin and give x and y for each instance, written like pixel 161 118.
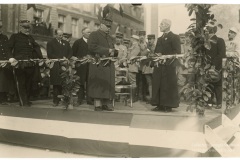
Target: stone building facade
pixel 72 18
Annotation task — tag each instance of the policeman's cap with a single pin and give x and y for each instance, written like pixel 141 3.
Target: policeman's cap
pixel 135 37
pixel 119 35
pixel 151 36
pixel 25 23
pixel 126 41
pixel 107 22
pixel 233 29
pixel 142 33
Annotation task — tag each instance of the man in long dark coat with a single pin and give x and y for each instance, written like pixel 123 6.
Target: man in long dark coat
pixel 101 81
pixel 57 49
pixel 165 89
pixel 22 46
pixel 217 53
pixel 80 49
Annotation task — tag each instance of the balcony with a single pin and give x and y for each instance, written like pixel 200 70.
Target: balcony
pixel 42 29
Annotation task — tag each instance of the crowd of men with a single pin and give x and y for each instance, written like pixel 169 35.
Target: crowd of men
pixel 157 85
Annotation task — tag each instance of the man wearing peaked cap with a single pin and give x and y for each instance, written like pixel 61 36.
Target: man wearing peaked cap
pixel 141 80
pixel 101 79
pixel 122 50
pixel 133 51
pixel 6 78
pixel 147 70
pixel 22 46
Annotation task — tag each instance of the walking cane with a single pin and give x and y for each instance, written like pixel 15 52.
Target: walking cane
pixel 15 77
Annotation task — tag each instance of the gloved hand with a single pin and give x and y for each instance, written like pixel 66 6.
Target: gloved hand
pixel 13 61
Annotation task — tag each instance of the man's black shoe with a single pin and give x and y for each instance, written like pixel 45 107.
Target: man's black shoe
pixel 156 109
pixel 168 109
pixel 98 109
pixel 105 107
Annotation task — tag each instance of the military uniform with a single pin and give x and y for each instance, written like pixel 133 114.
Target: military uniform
pixel 6 76
pixel 23 47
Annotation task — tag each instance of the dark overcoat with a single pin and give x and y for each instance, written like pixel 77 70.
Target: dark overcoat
pixel 165 89
pixel 101 80
pixel 6 74
pixel 56 50
pixel 217 53
pixel 80 49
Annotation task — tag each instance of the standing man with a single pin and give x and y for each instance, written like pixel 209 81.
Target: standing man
pixel 22 46
pixel 147 70
pixel 57 49
pixel 232 44
pixel 5 72
pixel 141 81
pixel 101 80
pixel 165 89
pixel 122 50
pixel 216 53
pixel 134 51
pixel 80 49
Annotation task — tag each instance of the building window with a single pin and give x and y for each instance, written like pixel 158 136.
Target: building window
pixel 74 27
pixel 86 23
pixel 96 26
pixel 38 16
pixel 61 20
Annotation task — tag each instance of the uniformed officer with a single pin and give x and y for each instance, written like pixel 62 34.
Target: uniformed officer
pixel 126 42
pixel 122 50
pixel 22 46
pixel 141 81
pixel 5 72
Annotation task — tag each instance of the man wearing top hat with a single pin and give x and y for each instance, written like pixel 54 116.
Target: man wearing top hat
pixel 141 80
pixel 147 70
pixel 165 88
pixel 57 48
pixel 101 80
pixel 232 44
pixel 22 46
pixel 80 49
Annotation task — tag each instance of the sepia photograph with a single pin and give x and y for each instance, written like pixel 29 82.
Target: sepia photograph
pixel 119 80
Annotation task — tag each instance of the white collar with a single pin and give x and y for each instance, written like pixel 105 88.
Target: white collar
pixel 85 39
